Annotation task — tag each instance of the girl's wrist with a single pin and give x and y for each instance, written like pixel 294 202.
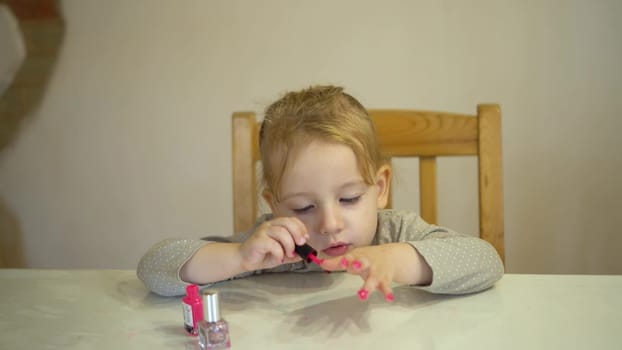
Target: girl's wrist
pixel 411 267
pixel 238 257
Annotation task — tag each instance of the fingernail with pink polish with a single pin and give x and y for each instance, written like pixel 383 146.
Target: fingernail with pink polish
pixel 390 297
pixel 363 294
pixel 344 262
pixel 357 265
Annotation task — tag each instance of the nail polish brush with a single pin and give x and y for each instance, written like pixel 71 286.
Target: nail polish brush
pixel 309 254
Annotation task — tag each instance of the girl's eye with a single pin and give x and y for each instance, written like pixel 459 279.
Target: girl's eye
pixel 302 210
pixel 350 200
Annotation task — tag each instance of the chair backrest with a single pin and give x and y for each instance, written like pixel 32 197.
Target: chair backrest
pixel 401 133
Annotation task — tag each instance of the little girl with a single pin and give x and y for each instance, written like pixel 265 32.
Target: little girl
pixel 327 186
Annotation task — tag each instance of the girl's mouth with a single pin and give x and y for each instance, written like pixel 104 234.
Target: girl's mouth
pixel 337 249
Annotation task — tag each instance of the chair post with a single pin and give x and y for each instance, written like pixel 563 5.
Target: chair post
pixel 427 187
pixel 244 139
pixel 490 177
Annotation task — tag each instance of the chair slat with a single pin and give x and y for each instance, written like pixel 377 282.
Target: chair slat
pixel 244 135
pixel 427 188
pixel 491 178
pixel 413 133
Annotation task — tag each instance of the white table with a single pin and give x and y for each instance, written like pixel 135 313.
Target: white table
pixel 110 309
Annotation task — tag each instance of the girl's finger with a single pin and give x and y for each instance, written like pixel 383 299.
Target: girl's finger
pixel 261 251
pixel 282 236
pixel 294 227
pixel 274 251
pixel 334 264
pixel 293 259
pixel 387 291
pixel 351 263
pixel 369 286
pixel 354 264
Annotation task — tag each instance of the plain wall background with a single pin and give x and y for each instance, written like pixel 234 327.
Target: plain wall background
pixel 131 143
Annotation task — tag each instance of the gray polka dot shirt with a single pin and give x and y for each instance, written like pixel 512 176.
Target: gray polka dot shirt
pixel 460 263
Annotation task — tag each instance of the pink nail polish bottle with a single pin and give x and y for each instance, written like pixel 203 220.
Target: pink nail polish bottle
pixel 193 309
pixel 213 330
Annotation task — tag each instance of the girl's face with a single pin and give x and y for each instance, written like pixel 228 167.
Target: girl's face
pixel 323 187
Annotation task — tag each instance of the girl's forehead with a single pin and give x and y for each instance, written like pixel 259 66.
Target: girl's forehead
pixel 312 150
pixel 309 161
pixel 284 153
pixel 321 160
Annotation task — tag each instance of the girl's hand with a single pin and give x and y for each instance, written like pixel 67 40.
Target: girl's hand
pixel 380 266
pixel 273 243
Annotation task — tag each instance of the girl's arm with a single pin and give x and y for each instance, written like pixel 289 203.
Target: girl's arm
pixel 410 267
pixel 160 266
pixel 169 265
pixel 411 251
pixel 212 263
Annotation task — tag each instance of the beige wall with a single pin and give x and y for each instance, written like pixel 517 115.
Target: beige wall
pixel 131 141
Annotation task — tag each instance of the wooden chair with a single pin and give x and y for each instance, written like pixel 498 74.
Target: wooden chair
pixel 402 133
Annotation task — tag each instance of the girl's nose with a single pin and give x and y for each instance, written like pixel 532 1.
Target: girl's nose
pixel 331 221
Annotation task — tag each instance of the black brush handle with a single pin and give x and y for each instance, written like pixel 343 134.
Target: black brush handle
pixel 304 250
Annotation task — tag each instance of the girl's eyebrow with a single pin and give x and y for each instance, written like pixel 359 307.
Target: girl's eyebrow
pixel 295 194
pixel 354 183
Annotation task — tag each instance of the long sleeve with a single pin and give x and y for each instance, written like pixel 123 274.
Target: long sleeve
pixel 159 268
pixel 460 263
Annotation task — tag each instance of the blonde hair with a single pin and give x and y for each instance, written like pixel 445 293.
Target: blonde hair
pixel 326 113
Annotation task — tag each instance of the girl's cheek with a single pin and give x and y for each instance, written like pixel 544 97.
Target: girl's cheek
pixel 309 224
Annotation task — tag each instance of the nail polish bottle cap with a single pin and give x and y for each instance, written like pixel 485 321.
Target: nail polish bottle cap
pixel 192 291
pixel 304 250
pixel 211 304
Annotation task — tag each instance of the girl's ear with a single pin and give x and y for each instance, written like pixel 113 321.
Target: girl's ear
pixel 269 198
pixel 383 183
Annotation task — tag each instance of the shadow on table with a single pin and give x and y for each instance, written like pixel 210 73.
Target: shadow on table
pixel 265 291
pixel 238 294
pixel 333 317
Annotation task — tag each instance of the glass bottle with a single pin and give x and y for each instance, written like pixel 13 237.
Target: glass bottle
pixel 213 329
pixel 193 309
